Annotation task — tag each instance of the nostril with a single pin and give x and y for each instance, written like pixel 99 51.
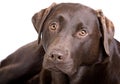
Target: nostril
pixel 52 56
pixel 59 57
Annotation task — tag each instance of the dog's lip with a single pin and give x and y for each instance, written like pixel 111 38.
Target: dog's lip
pixel 54 68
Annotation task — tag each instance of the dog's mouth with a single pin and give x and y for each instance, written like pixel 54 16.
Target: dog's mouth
pixel 54 68
pixel 64 67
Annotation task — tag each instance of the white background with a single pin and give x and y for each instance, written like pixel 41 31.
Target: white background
pixel 16 28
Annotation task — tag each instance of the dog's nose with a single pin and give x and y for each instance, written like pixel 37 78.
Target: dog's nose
pixel 57 56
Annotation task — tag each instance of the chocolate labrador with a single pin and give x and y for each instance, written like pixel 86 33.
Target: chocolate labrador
pixel 79 45
pixel 76 46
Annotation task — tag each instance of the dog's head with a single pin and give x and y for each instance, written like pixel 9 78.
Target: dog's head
pixel 73 35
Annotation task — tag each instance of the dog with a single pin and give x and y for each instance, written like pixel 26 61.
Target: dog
pixel 76 46
pixel 79 45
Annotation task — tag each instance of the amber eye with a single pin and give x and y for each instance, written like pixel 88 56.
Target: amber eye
pixel 81 33
pixel 53 26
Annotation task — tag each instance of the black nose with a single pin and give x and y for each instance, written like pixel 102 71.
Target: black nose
pixel 57 56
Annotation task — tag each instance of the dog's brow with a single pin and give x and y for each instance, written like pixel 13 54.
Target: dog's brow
pixel 80 26
pixel 61 18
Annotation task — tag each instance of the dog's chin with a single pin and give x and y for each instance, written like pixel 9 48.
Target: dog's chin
pixel 67 68
pixel 54 69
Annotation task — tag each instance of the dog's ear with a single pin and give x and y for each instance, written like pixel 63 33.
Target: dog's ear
pixel 39 18
pixel 107 29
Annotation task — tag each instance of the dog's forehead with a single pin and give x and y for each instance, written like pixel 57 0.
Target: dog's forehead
pixel 73 10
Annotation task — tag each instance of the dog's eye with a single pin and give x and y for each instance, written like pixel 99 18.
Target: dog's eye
pixel 53 26
pixel 81 33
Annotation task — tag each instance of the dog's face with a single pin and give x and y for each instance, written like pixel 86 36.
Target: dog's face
pixel 71 38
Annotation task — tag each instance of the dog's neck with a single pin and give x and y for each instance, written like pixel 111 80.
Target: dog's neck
pixel 77 77
pixel 89 75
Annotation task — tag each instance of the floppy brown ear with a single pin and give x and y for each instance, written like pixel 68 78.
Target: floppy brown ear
pixel 107 29
pixel 39 18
